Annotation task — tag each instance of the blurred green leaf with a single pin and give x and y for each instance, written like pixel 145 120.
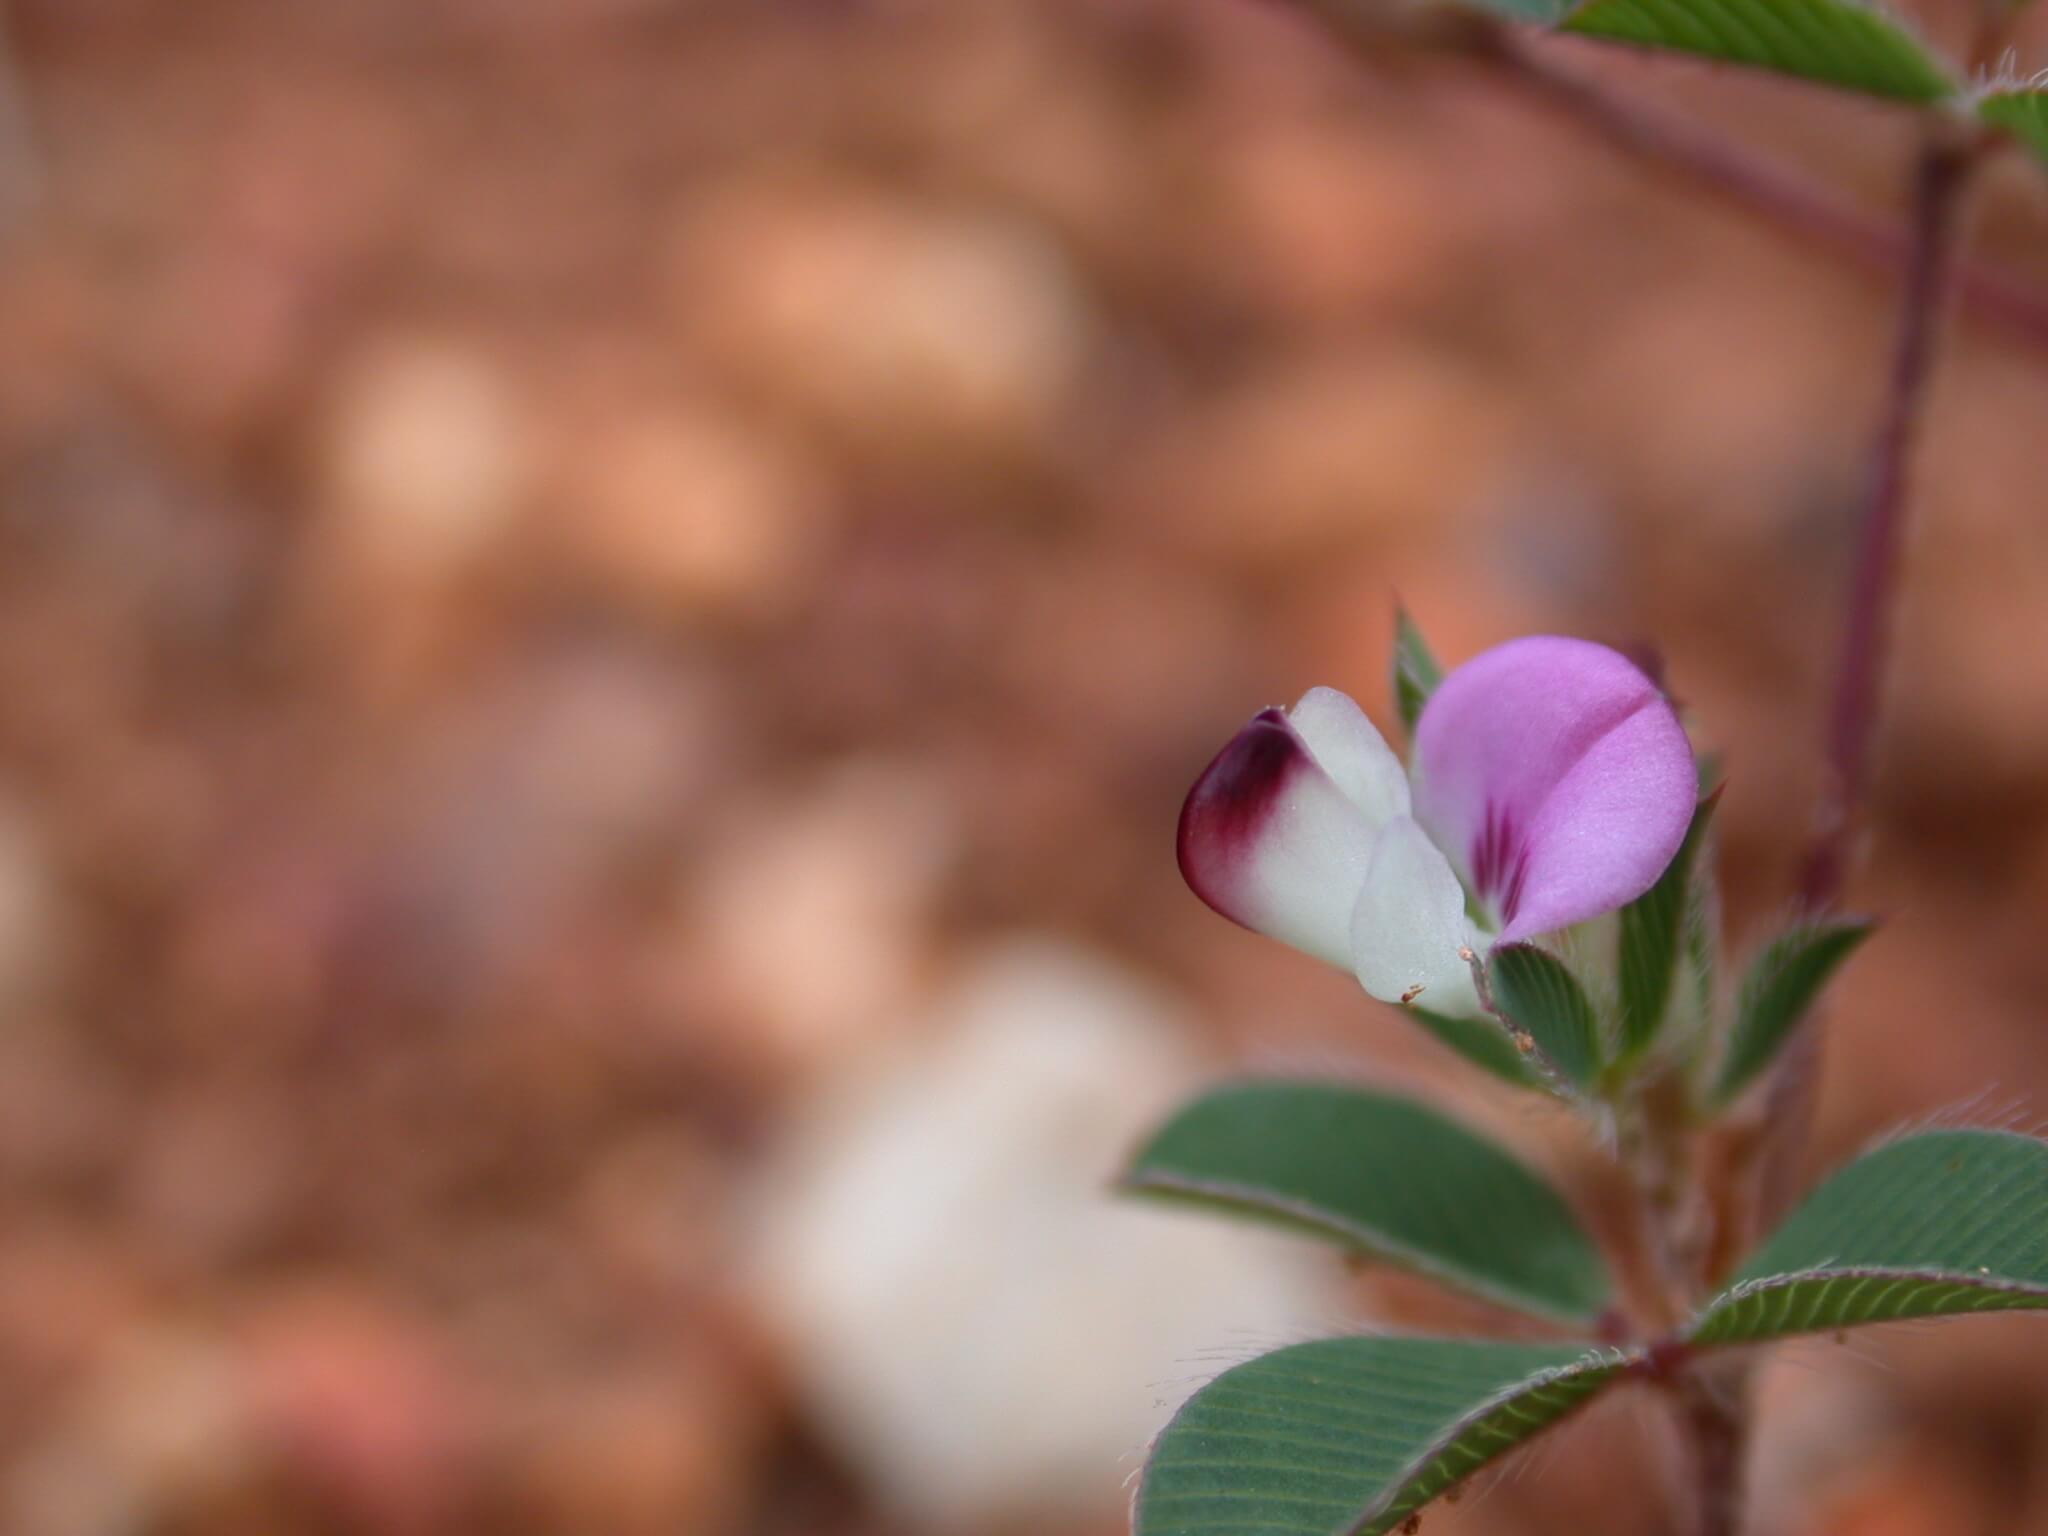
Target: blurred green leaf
pixel 1416 673
pixel 1937 1224
pixel 1700 945
pixel 1384 1175
pixel 2021 113
pixel 1652 931
pixel 1541 997
pixel 1352 1435
pixel 1834 42
pixel 1781 986
pixel 1480 1041
pixel 1523 10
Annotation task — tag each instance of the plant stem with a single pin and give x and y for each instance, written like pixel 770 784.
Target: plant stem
pixel 1659 1147
pixel 1717 1440
pixel 1940 182
pixel 1793 203
pixel 1708 160
pixel 1656 1145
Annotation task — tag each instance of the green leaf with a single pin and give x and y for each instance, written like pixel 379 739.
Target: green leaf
pixel 1387 1176
pixel 1781 985
pixel 1934 1225
pixel 1352 1435
pixel 1700 946
pixel 1834 42
pixel 1524 10
pixel 1652 928
pixel 1542 998
pixel 1416 673
pixel 1483 1042
pixel 2021 113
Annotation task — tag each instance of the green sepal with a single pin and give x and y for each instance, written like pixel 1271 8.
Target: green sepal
pixel 1652 941
pixel 1540 996
pixel 1416 672
pixel 1482 1041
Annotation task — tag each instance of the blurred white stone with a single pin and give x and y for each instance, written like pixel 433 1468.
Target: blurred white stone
pixel 985 1330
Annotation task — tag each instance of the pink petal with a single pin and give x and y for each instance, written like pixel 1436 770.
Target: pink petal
pixel 1269 840
pixel 1557 779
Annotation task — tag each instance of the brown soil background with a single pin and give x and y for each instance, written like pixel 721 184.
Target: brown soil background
pixel 562 561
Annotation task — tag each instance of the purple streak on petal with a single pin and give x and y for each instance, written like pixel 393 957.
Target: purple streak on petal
pixel 1557 779
pixel 1269 840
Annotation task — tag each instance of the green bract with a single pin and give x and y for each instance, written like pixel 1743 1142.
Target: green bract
pixel 1781 986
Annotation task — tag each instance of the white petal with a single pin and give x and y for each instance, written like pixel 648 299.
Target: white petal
pixel 1268 840
pixel 1350 749
pixel 1409 924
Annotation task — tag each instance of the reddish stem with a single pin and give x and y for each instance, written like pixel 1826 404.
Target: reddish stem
pixel 1708 160
pixel 1717 1440
pixel 1940 181
pixel 1784 198
pixel 1939 184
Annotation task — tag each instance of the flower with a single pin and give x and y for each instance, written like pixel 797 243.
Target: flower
pixel 1551 783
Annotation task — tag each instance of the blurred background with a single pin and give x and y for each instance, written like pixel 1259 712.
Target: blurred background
pixel 605 606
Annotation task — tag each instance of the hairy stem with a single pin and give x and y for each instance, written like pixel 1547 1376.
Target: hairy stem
pixel 1660 1145
pixel 1715 1416
pixel 1656 1143
pixel 1940 182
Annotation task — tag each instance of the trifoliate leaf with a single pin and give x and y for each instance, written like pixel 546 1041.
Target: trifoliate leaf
pixel 1933 1225
pixel 1386 1176
pixel 1834 42
pixel 1349 1437
pixel 2021 113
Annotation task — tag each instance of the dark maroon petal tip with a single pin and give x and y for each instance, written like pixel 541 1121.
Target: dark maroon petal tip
pixel 1221 818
